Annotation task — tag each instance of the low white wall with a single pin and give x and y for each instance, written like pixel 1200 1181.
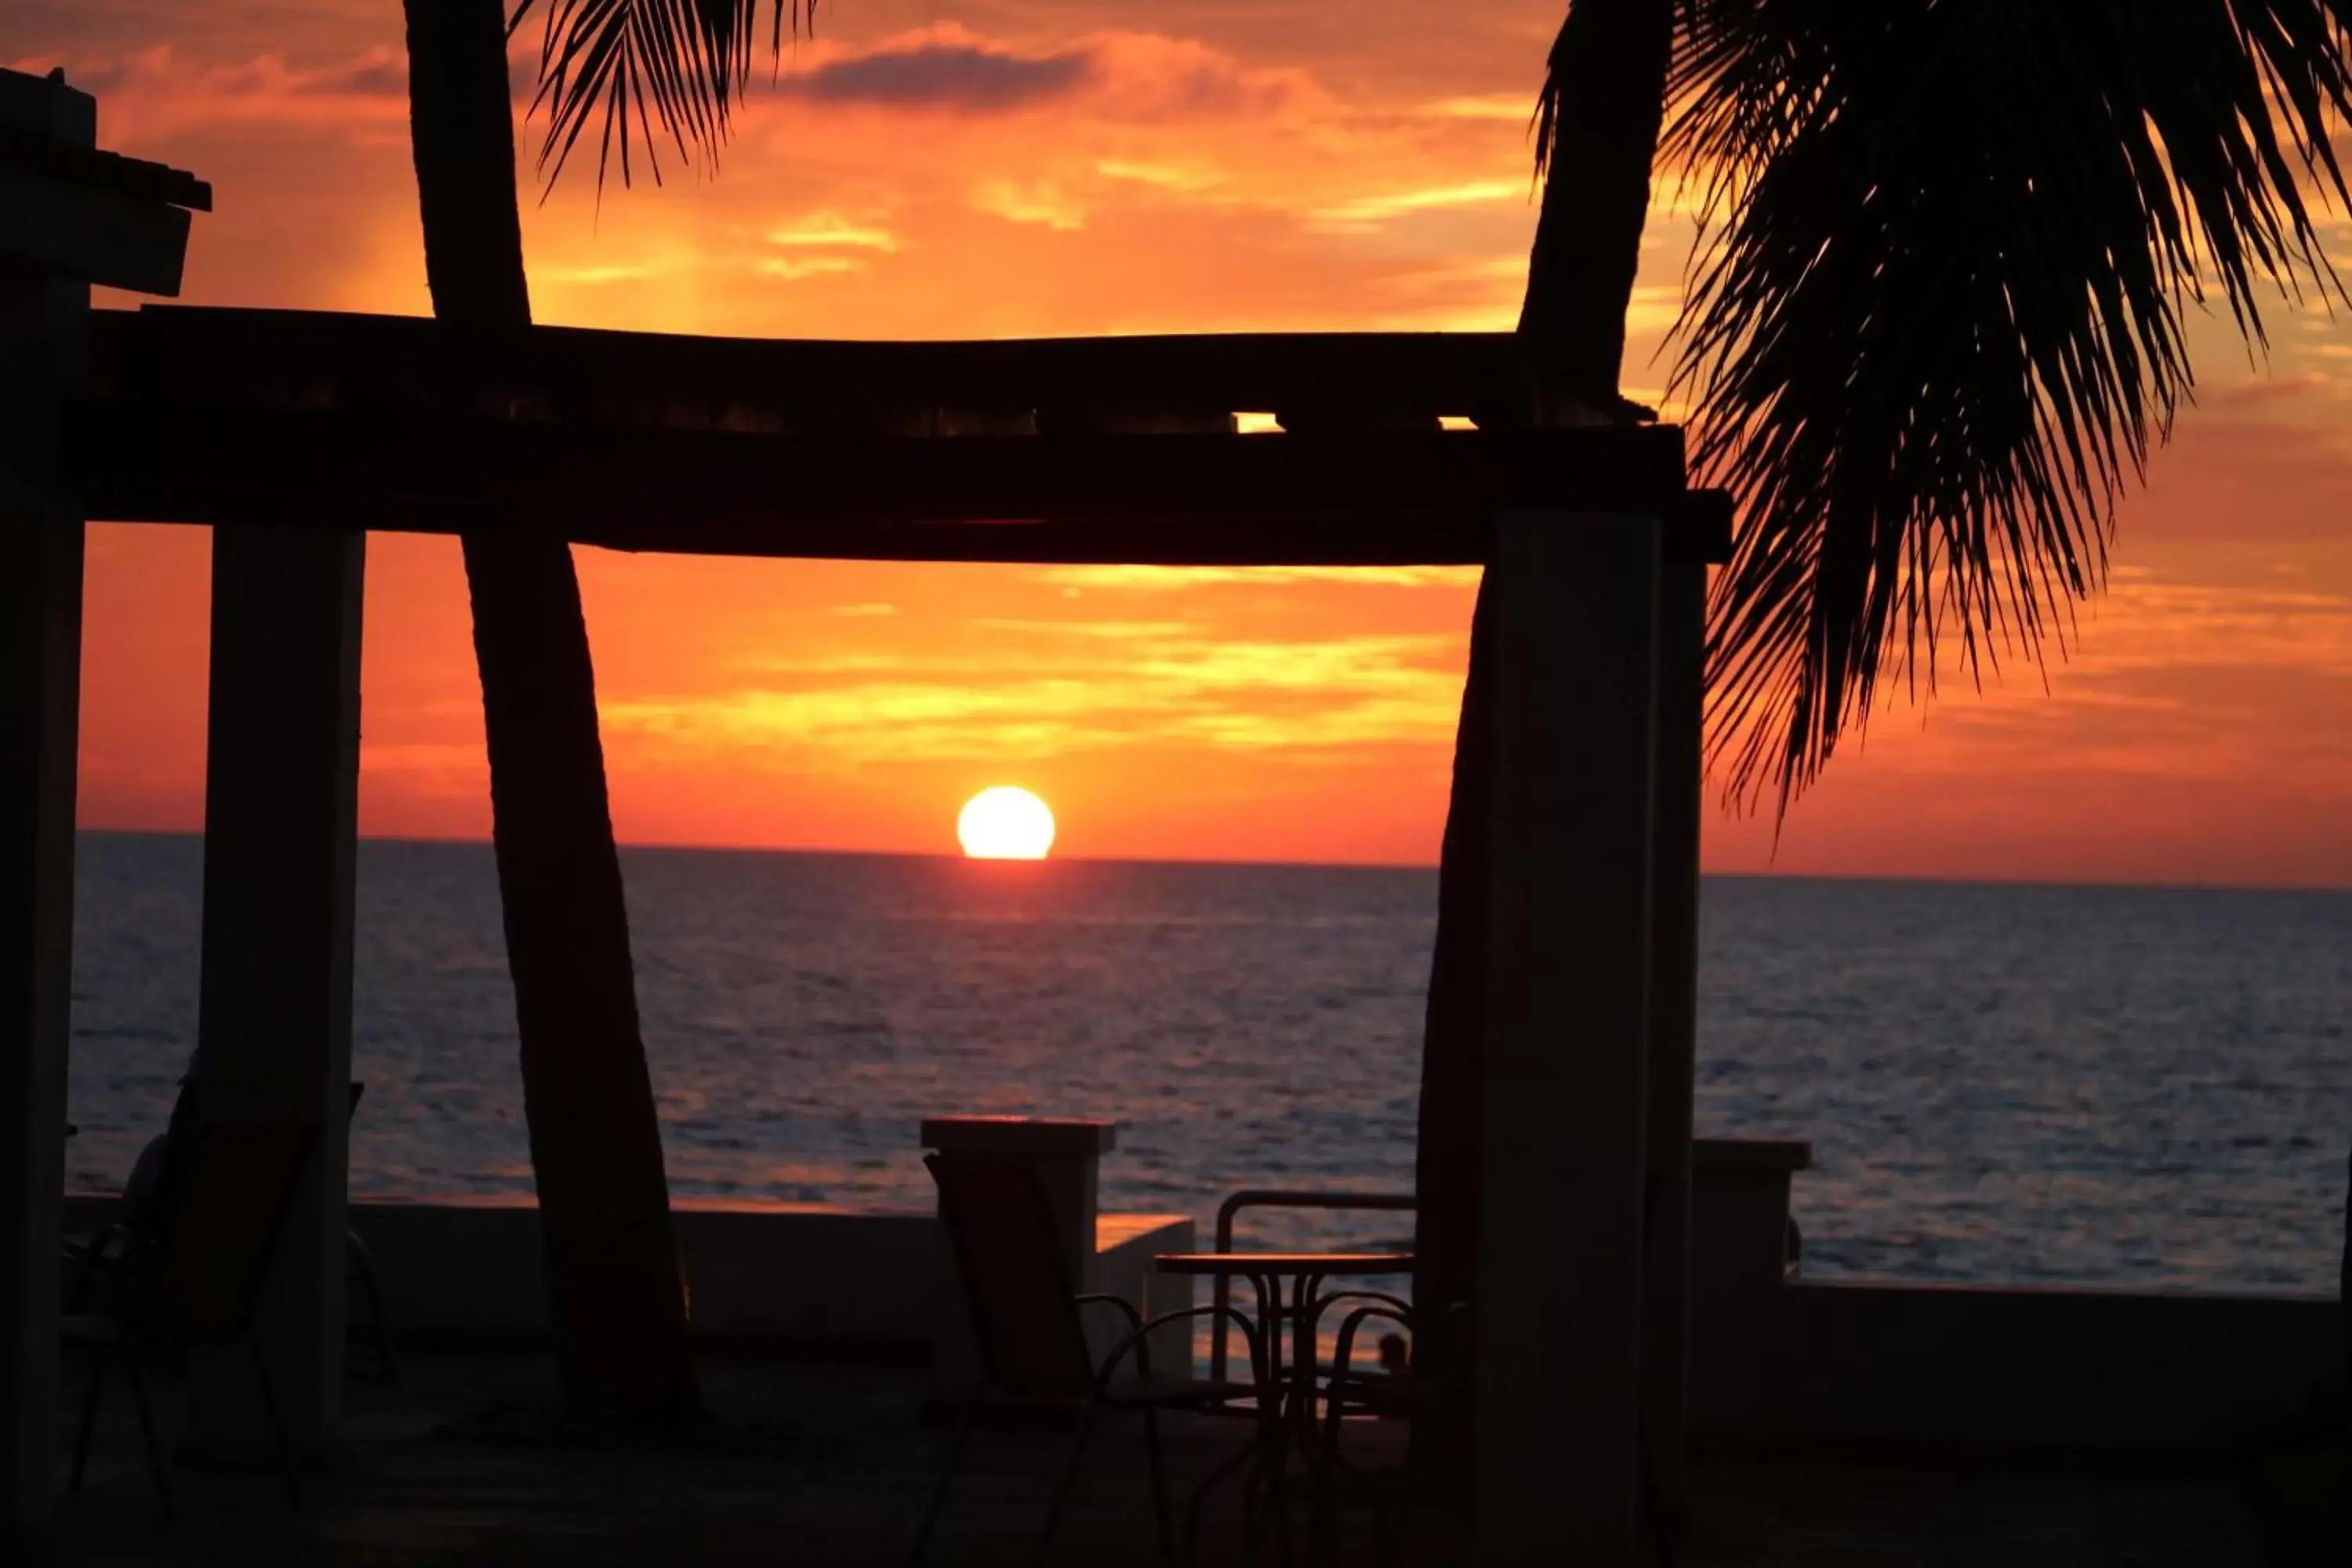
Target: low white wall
pixel 2060 1368
pixel 1775 1355
pixel 794 1272
pixel 801 1272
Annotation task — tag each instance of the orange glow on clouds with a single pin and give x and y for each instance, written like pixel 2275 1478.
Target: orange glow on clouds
pixel 1063 166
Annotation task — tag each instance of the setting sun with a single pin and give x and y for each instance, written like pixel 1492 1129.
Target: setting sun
pixel 1006 823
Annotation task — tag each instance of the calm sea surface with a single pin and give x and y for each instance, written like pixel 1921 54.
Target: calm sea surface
pixel 2001 1083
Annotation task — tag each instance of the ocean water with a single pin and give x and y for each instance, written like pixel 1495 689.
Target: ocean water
pixel 2001 1083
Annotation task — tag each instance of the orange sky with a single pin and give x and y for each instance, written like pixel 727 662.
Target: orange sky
pixel 1059 166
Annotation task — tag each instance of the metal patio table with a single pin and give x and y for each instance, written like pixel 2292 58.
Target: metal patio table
pixel 1267 1272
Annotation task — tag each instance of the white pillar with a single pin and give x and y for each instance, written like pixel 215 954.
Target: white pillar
pixel 1558 1300
pixel 44 328
pixel 274 1023
pixel 1673 1032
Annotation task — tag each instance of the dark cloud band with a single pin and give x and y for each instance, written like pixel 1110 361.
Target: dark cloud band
pixel 960 77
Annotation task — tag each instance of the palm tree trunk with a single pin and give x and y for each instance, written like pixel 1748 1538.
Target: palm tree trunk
pixel 1608 66
pixel 615 1293
pixel 1609 79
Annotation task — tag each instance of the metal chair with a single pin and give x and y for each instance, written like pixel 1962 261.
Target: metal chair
pixel 1032 1339
pixel 195 1280
pixel 1291 1198
pixel 1407 1396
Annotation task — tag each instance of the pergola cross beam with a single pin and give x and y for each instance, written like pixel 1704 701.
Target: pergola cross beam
pixel 1336 499
pixel 257 357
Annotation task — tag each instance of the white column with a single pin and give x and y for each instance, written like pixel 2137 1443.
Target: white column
pixel 274 1022
pixel 1674 1031
pixel 44 327
pixel 1557 1301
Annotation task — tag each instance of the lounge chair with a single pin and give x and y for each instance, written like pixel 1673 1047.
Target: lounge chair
pixel 195 1277
pixel 103 1251
pixel 1026 1315
pixel 359 1269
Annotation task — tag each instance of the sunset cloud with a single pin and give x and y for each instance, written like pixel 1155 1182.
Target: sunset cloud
pixel 155 92
pixel 1140 78
pixel 791 268
pixel 1363 212
pixel 954 72
pixel 1516 108
pixel 831 230
pixel 1039 202
pixel 1144 684
pixel 1164 176
pixel 1150 77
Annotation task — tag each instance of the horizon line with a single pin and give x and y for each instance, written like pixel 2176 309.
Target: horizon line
pixel 2153 886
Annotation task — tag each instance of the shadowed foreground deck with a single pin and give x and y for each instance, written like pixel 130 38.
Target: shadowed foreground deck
pixel 827 1465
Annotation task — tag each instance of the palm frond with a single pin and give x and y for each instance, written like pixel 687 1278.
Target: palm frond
pixel 634 67
pixel 1939 316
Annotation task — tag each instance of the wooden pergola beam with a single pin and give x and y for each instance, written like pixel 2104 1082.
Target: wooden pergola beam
pixel 1371 498
pixel 351 360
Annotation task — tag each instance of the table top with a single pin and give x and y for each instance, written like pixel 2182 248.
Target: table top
pixel 1265 1263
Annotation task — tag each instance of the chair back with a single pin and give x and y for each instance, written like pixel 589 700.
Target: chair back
pixel 156 1176
pixel 1008 1255
pixel 235 1184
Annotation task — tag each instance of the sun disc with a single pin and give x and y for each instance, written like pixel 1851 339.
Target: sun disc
pixel 1005 823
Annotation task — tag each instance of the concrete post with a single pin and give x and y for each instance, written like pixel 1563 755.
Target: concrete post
pixel 1673 1035
pixel 1742 1248
pixel 274 1025
pixel 44 328
pixel 1065 1156
pixel 1555 1473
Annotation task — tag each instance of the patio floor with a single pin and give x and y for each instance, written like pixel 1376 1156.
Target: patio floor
pixel 829 1465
